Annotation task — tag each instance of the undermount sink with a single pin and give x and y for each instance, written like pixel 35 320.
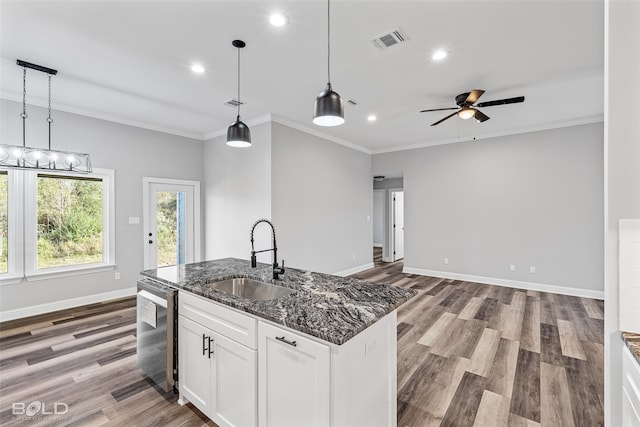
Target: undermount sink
pixel 251 289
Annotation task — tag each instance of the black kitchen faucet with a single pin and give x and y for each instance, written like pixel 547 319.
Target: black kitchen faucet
pixel 276 268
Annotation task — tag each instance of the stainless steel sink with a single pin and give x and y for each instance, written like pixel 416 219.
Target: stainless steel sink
pixel 251 289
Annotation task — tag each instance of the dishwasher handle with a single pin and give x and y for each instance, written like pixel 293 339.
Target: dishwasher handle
pixel 153 298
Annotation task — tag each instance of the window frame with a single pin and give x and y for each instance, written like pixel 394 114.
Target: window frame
pixel 23 252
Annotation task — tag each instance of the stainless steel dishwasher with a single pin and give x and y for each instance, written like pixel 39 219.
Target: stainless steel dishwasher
pixel 157 322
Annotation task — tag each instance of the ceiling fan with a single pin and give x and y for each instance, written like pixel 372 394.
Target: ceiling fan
pixel 467 109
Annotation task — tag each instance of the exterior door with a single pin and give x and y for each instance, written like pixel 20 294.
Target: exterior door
pixel 397 198
pixel 171 222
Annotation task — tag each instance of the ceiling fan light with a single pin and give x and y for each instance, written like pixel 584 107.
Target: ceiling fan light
pixel 328 109
pixel 238 134
pixel 466 113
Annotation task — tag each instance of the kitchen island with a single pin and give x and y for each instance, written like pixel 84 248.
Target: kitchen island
pixel 324 355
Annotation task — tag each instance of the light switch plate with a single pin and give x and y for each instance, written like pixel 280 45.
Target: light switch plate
pixel 134 220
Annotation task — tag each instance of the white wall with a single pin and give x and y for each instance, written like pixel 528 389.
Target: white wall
pixel 532 199
pixel 622 173
pixel 133 153
pixel 237 185
pixel 321 198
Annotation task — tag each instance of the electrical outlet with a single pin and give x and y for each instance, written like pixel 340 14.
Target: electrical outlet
pixel 532 270
pixel 368 217
pixel 353 256
pixel 446 260
pixel 117 275
pixel 512 267
pixel 134 220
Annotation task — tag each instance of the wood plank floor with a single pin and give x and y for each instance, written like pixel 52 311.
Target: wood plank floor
pixel 468 355
pixel 481 355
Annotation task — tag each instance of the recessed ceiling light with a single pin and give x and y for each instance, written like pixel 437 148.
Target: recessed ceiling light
pixel 372 118
pixel 197 68
pixel 439 55
pixel 278 20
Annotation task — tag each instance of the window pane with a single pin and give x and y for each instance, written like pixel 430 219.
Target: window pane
pixel 4 221
pixel 69 221
pixel 168 223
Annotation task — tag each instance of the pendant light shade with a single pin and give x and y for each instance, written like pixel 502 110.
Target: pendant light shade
pixel 238 134
pixel 328 109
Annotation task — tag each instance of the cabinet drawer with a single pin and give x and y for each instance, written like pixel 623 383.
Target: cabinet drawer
pixel 631 380
pixel 225 321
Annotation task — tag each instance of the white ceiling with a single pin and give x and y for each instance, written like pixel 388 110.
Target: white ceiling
pixel 129 61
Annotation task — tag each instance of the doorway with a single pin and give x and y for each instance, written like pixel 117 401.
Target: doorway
pixel 397 224
pixel 171 222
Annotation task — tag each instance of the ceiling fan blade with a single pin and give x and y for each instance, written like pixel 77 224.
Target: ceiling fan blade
pixel 480 116
pixel 439 109
pixel 501 102
pixel 473 96
pixel 442 120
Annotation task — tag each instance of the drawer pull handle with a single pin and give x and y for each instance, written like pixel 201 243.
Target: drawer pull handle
pixel 286 341
pixel 210 347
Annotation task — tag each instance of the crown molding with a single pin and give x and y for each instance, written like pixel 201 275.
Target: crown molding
pixel 548 126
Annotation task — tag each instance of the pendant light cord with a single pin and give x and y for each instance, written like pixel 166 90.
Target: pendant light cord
pixel 329 42
pixel 49 119
pixel 24 105
pixel 239 102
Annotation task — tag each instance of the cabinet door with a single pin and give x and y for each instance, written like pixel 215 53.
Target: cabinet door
pixel 294 379
pixel 234 385
pixel 194 370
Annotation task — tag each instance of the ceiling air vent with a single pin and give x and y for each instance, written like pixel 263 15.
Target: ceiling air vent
pixel 233 103
pixel 390 38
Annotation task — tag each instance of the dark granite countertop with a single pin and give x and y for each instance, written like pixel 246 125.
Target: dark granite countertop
pixel 633 342
pixel 331 308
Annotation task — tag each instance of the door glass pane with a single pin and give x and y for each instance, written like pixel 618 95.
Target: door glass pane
pixel 69 221
pixel 4 221
pixel 170 232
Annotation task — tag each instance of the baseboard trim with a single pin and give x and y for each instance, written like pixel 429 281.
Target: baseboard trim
pixel 34 310
pixel 378 245
pixel 531 286
pixel 354 270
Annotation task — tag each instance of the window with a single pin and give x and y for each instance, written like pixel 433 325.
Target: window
pixel 69 221
pixel 67 224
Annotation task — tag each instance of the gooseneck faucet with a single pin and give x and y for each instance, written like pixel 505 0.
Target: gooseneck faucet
pixel 276 268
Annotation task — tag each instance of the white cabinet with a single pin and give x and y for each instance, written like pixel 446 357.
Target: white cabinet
pixel 234 383
pixel 194 363
pixel 294 379
pixel 630 390
pixel 217 374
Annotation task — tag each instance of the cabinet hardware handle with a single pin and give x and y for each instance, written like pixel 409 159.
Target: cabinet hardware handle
pixel 286 341
pixel 210 347
pixel 205 339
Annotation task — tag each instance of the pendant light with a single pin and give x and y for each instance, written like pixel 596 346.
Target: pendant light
pixel 23 157
pixel 238 134
pixel 328 109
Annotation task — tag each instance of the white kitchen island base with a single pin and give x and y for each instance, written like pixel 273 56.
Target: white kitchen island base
pixel 299 380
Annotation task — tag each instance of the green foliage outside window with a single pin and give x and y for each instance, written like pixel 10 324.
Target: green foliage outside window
pixel 69 221
pixel 167 227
